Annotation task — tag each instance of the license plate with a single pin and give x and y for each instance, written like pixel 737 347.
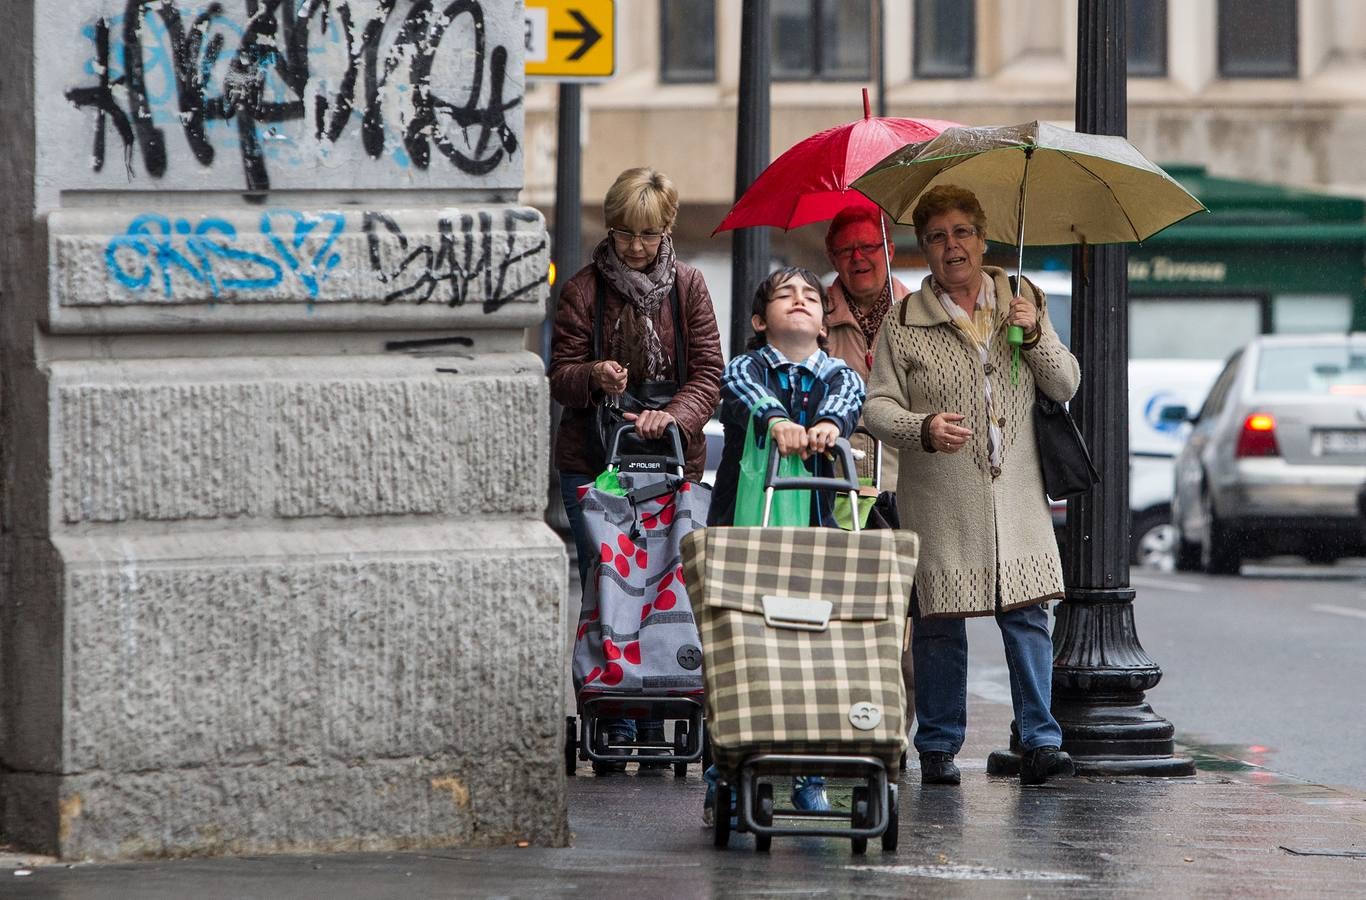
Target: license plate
pixel 1339 443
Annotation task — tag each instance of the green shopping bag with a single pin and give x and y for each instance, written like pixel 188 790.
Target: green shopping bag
pixel 865 506
pixel 609 483
pixel 789 507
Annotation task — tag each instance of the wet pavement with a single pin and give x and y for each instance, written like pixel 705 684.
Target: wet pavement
pixel 1231 830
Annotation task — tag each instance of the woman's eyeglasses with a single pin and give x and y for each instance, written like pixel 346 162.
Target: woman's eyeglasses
pixel 626 238
pixel 960 233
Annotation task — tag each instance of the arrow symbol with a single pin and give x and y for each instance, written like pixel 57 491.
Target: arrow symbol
pixel 587 34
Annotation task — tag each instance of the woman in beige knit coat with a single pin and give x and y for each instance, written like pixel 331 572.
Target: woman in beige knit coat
pixel 969 482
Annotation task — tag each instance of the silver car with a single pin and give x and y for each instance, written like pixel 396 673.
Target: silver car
pixel 1276 456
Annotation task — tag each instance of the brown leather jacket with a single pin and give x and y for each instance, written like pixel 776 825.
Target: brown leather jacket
pixel 571 362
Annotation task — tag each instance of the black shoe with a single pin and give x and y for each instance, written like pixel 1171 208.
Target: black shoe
pixel 651 733
pixel 1037 765
pixel 613 767
pixel 936 767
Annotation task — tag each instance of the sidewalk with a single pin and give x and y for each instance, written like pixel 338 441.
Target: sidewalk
pixel 1228 831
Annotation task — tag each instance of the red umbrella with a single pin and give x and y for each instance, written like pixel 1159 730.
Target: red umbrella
pixel 810 182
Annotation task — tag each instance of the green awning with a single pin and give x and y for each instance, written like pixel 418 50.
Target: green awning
pixel 1250 235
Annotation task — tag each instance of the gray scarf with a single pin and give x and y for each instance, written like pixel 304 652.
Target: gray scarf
pixel 635 342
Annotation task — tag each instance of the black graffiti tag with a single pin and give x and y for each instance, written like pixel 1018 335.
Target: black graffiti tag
pixel 474 135
pixel 465 251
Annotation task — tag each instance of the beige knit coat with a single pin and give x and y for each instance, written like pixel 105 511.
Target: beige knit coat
pixel 980 530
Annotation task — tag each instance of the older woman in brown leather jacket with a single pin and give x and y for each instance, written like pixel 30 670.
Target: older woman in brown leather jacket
pixel 635 268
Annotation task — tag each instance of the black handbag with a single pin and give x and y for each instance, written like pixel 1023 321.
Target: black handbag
pixel 1063 457
pixel 884 513
pixel 609 416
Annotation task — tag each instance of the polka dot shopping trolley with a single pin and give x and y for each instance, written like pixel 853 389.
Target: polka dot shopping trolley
pixel 637 661
pixel 802 632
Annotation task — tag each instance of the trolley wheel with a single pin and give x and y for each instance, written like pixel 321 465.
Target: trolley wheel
pixel 680 747
pixel 763 815
pixel 600 745
pixel 720 835
pixel 889 837
pixel 859 816
pixel 571 745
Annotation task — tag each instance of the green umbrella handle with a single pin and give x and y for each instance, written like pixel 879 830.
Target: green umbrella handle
pixel 1015 337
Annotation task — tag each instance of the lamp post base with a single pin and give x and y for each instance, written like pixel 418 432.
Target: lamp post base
pixel 1117 735
pixel 1007 762
pixel 1100 674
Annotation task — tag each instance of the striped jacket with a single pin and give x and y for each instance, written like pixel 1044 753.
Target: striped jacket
pixel 763 385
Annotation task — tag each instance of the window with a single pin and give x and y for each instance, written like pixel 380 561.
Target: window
pixel 1214 403
pixel 1146 27
pixel 687 41
pixel 1258 39
pixel 944 39
pixel 827 40
pixel 1313 369
pixel 1191 327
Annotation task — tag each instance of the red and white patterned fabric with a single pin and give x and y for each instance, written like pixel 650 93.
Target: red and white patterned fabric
pixel 636 631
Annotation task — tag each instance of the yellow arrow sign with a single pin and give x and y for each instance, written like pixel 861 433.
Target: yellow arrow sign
pixel 570 40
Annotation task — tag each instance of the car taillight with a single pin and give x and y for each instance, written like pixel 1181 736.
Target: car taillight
pixel 1258 437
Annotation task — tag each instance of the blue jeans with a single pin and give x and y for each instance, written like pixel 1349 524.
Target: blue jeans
pixel 570 482
pixel 939 650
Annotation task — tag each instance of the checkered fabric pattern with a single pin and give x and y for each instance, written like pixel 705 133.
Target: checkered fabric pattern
pixel 773 689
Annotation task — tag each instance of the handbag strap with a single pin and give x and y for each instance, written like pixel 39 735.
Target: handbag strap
pixel 600 312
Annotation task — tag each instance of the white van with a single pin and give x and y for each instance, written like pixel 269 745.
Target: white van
pixel 1154 445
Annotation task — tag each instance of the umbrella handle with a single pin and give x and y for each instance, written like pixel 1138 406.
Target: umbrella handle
pixel 1014 337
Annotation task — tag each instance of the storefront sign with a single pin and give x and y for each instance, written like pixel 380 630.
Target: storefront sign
pixel 1163 268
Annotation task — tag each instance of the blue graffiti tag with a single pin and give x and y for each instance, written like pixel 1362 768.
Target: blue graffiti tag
pixel 309 272
pixel 156 247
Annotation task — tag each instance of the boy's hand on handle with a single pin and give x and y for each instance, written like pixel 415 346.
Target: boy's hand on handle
pixel 1024 314
pixel 946 435
pixel 790 437
pixel 650 424
pixel 821 437
pixel 609 376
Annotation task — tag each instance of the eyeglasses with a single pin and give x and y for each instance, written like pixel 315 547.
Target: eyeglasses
pixel 865 250
pixel 960 233
pixel 626 238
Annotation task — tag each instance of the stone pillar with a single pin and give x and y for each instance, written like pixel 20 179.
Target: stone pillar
pixel 276 576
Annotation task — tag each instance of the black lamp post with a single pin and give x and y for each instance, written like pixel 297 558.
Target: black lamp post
pixel 1100 670
pixel 749 246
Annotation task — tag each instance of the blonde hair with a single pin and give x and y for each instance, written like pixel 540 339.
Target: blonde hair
pixel 943 198
pixel 639 199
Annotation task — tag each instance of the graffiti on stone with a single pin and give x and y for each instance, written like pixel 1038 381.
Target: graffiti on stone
pixel 286 82
pixel 154 248
pixel 490 256
pixel 465 249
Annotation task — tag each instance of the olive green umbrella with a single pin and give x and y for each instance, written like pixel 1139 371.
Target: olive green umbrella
pixel 1069 187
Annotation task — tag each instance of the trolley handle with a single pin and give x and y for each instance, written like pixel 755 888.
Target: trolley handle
pixel 849 483
pixel 877 457
pixel 676 460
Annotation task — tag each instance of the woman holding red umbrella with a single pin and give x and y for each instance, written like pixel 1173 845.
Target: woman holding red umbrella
pixel 864 289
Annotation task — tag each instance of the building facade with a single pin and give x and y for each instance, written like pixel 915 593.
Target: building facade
pixel 1263 90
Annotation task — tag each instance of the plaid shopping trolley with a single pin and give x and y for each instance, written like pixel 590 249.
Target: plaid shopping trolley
pixel 802 632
